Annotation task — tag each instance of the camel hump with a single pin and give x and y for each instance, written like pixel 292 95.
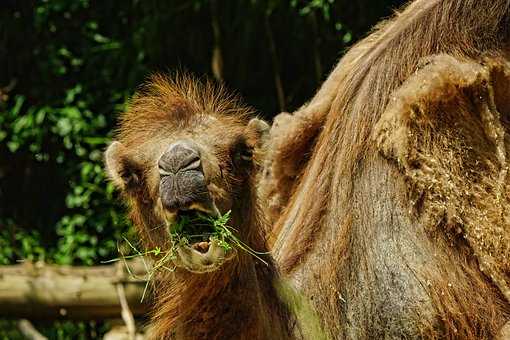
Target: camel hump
pixel 446 128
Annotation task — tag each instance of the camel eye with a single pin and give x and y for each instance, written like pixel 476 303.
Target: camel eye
pixel 247 155
pixel 242 153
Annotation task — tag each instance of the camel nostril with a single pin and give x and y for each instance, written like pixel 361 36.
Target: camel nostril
pixel 180 156
pixel 163 172
pixel 192 163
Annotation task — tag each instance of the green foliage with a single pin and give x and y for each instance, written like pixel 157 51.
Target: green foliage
pixel 70 136
pixel 62 125
pixel 8 331
pixel 22 245
pixel 200 227
pixel 304 8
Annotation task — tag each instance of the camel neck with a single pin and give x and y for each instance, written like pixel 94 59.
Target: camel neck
pixel 244 306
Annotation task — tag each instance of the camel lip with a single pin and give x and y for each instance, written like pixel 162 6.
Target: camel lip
pixel 207 208
pixel 198 262
pixel 205 253
pixel 202 247
pixel 191 248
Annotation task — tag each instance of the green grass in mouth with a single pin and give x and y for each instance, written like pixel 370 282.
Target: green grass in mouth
pixel 188 229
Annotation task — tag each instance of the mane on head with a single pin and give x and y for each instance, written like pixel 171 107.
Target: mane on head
pixel 359 91
pixel 180 99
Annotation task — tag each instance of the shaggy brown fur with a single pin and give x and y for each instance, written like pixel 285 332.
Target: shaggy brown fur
pixel 292 139
pixel 288 152
pixel 395 224
pixel 419 249
pixel 456 161
pixel 238 300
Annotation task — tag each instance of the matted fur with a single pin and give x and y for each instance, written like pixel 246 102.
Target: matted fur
pixel 444 128
pixel 348 236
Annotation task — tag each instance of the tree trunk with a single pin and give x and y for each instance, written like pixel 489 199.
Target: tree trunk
pixel 39 291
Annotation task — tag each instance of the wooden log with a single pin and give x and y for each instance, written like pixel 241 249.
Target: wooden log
pixel 38 291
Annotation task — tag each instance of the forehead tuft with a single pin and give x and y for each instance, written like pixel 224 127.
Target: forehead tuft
pixel 164 103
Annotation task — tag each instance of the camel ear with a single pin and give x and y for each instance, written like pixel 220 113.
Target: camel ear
pixel 122 171
pixel 262 128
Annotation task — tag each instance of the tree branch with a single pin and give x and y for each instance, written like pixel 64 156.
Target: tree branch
pixel 276 68
pixel 41 292
pixel 126 314
pixel 29 331
pixel 217 56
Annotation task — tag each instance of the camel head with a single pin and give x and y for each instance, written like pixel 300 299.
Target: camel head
pixel 186 151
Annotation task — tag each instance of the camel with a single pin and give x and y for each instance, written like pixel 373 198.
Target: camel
pixel 394 225
pixel 184 145
pixel 407 232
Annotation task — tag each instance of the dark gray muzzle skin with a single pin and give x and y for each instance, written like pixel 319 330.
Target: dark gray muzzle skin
pixel 182 182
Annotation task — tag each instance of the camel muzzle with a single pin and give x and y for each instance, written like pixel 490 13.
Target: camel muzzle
pixel 182 184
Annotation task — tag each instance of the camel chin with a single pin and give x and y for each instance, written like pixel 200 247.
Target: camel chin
pixel 198 262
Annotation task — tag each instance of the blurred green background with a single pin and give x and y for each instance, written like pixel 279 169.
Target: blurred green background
pixel 67 68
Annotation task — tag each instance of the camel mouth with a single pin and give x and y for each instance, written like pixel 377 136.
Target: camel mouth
pixel 199 261
pixel 197 240
pixel 194 229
